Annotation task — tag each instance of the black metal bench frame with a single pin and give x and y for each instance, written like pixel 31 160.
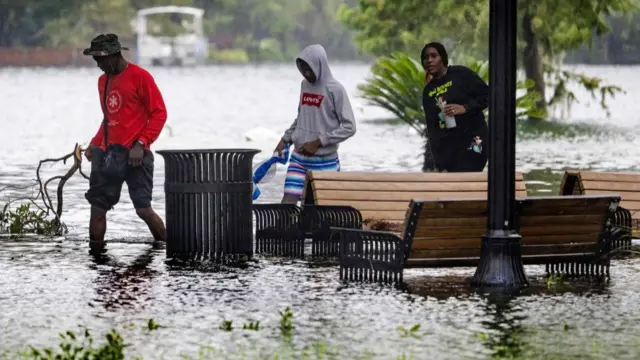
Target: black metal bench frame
pixel 380 256
pixel 281 229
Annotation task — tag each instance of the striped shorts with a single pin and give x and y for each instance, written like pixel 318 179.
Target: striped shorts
pixel 299 165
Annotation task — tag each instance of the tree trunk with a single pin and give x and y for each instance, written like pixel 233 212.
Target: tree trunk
pixel 604 50
pixel 282 38
pixel 318 6
pixel 5 29
pixel 532 61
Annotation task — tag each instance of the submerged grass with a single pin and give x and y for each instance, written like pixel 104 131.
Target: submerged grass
pixel 83 346
pixel 505 337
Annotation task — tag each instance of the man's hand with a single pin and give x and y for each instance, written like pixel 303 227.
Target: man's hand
pixel 311 148
pixel 454 109
pixel 136 154
pixel 280 147
pixel 88 153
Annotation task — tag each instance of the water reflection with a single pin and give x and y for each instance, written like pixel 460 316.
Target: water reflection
pixel 64 287
pixel 442 287
pixel 505 335
pixel 507 326
pixel 119 286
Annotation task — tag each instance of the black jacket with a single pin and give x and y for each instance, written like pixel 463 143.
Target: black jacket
pixel 462 86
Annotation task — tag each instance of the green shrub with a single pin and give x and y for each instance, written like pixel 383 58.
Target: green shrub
pixel 398 81
pixel 229 56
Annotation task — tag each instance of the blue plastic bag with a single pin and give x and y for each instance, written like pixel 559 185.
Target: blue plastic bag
pixel 267 169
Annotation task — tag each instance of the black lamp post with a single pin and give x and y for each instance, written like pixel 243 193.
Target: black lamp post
pixel 500 256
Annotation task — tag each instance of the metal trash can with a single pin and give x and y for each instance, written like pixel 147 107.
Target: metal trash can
pixel 208 204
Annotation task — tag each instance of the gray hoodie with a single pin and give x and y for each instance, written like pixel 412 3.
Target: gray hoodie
pixel 324 110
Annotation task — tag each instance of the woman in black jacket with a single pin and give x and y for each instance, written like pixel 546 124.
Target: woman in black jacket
pixel 453 102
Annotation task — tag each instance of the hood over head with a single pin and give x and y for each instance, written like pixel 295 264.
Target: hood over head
pixel 316 57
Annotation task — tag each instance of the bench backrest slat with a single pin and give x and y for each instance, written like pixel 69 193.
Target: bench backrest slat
pixel 625 184
pixel 440 233
pixel 386 195
pixel 453 228
pixel 563 224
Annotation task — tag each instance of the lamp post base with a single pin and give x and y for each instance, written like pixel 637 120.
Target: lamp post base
pixel 500 261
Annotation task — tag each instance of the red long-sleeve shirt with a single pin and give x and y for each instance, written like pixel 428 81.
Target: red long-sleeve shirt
pixel 134 108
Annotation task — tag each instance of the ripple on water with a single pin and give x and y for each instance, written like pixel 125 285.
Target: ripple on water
pixel 50 287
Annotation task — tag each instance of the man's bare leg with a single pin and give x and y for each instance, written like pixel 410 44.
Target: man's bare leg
pixel 155 224
pixel 97 229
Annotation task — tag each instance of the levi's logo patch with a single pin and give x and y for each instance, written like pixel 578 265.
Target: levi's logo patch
pixel 312 99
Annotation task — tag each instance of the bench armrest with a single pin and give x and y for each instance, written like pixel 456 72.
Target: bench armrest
pixel 370 255
pixel 321 217
pixel 613 240
pixel 278 230
pixel 622 222
pixel 316 221
pixel 276 217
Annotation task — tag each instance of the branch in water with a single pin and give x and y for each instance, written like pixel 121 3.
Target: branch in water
pixel 41 190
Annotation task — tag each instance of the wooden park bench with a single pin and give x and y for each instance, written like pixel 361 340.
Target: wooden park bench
pixel 354 199
pixel 627 185
pixel 569 234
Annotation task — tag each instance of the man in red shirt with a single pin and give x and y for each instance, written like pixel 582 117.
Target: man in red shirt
pixel 134 114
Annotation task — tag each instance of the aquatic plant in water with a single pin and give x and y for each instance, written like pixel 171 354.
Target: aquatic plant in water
pixel 508 340
pixel 74 347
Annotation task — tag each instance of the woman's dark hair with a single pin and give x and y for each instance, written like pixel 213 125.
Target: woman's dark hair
pixel 440 49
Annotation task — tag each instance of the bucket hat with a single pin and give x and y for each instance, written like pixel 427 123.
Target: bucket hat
pixel 104 45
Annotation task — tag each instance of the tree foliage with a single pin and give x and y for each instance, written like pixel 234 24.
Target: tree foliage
pixel 88 20
pixel 549 28
pixel 22 21
pixel 264 29
pixel 620 46
pixel 383 26
pixel 565 25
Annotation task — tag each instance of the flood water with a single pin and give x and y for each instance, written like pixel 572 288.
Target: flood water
pixel 49 287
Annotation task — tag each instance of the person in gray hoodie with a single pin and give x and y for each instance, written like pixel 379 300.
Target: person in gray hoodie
pixel 325 119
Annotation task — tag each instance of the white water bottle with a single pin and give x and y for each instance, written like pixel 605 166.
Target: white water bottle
pixel 450 121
